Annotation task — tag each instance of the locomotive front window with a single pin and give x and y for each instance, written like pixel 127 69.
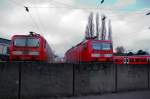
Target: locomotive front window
pixel 101 46
pixel 96 46
pixel 32 42
pixel 20 42
pixel 26 42
pixel 106 46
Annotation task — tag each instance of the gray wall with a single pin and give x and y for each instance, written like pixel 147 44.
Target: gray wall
pixel 9 80
pixel 132 77
pixel 35 80
pixel 94 78
pixel 44 80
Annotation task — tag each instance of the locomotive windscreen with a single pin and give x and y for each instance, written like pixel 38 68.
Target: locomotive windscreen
pixel 26 42
pixel 101 46
pixel 32 42
pixel 3 49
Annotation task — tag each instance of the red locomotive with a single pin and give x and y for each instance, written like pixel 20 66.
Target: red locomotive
pixel 32 47
pixel 91 51
pixel 145 59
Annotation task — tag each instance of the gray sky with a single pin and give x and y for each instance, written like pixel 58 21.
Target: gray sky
pixel 63 26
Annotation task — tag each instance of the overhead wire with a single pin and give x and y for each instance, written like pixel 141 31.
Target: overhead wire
pixel 19 4
pixel 27 10
pixel 67 6
pixel 40 21
pixel 34 22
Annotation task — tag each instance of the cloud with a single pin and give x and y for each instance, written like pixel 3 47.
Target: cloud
pixel 64 28
pixel 123 3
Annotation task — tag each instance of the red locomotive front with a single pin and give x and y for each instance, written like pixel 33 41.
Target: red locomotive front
pixel 91 51
pixel 31 47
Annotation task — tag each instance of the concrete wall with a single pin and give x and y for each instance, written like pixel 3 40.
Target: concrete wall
pixel 35 80
pixel 94 78
pixel 132 77
pixel 9 80
pixel 45 80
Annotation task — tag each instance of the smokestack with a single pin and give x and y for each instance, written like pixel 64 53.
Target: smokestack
pixel 97 26
pixel 109 31
pixel 103 33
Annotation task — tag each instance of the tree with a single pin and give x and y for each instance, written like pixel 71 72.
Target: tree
pixel 120 50
pixel 141 52
pixel 130 53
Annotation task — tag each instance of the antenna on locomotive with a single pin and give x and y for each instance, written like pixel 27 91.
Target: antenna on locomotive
pixel 33 33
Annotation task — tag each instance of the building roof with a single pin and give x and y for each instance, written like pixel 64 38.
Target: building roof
pixel 5 41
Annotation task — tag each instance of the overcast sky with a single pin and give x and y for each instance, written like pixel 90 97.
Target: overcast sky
pixel 63 22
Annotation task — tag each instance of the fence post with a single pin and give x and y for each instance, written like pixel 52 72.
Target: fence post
pixel 73 81
pixel 148 74
pixel 116 79
pixel 19 86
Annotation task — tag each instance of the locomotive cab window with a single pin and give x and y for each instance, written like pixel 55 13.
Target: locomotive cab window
pixel 26 42
pixel 106 46
pixel 101 46
pixel 33 42
pixel 20 42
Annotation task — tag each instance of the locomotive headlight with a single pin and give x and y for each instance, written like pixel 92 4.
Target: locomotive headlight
pixel 108 55
pixel 95 55
pixel 33 53
pixel 17 52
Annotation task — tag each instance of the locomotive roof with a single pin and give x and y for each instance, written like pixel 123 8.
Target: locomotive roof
pixel 35 35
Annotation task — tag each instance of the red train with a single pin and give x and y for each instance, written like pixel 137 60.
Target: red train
pixel 91 51
pixel 145 59
pixel 32 47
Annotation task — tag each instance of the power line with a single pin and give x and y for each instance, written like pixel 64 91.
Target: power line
pixel 38 16
pixel 34 22
pixel 17 3
pixel 27 10
pixel 67 5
